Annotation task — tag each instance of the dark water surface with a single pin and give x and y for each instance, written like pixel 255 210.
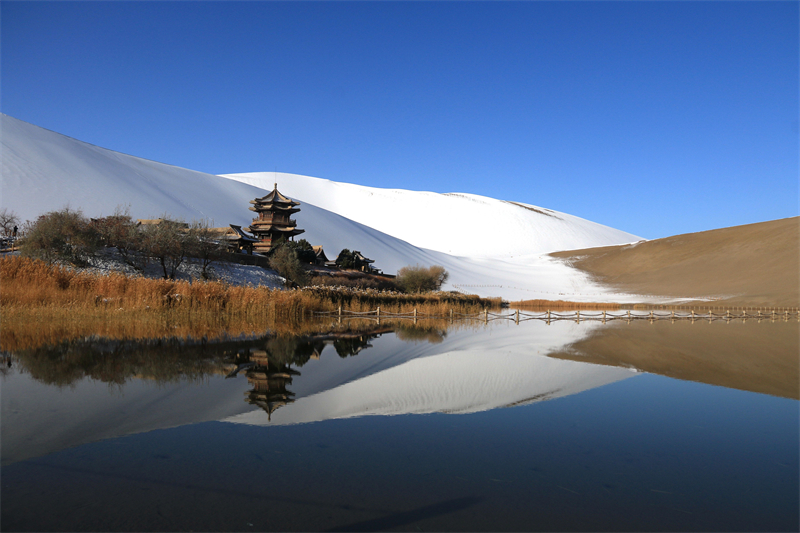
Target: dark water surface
pixel 496 429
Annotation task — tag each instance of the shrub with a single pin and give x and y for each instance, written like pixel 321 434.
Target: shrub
pixel 345 259
pixel 421 279
pixel 61 235
pixel 303 250
pixel 284 260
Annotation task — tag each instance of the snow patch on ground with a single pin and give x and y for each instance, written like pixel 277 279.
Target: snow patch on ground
pixel 109 260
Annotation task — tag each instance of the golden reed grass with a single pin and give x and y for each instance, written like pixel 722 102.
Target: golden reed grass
pixel 34 284
pixel 50 302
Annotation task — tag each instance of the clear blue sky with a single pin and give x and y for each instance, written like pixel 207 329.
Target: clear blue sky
pixel 655 118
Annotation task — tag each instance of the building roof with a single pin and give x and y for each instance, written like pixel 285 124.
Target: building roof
pixel 275 197
pixel 320 253
pixel 240 234
pixel 358 255
pixel 264 227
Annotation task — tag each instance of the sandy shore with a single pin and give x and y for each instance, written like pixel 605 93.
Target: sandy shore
pixel 756 265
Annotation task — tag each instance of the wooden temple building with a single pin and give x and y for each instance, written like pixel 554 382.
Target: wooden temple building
pixel 273 222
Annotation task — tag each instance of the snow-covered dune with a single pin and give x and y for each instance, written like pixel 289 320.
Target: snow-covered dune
pixel 43 171
pixel 459 224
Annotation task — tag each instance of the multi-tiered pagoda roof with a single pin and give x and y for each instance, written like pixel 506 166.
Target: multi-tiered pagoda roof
pixel 273 221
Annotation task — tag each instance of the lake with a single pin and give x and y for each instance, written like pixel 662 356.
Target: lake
pixel 470 427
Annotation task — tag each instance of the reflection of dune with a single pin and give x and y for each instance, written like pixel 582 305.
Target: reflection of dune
pixel 467 371
pixel 759 357
pixel 455 379
pixel 38 419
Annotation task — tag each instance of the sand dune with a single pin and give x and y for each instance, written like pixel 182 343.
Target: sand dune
pixel 756 264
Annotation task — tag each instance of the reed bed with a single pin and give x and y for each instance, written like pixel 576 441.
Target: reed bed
pixel 60 302
pixel 35 284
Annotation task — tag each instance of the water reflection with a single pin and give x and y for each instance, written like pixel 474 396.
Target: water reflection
pixel 632 451
pixel 106 388
pixel 269 372
pixel 758 357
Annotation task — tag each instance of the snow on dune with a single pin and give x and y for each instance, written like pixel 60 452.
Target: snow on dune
pixel 43 171
pixel 458 224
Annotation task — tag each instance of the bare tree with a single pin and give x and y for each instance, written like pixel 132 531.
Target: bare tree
pixel 205 245
pixel 168 243
pixel 8 221
pixel 121 231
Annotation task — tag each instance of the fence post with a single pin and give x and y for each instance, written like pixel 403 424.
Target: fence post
pixel 578 320
pixel 516 318
pixel 485 316
pixel 340 311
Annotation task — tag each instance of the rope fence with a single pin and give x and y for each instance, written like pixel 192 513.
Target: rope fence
pixel 518 316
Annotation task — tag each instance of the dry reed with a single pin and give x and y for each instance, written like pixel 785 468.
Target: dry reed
pixel 35 284
pixel 60 302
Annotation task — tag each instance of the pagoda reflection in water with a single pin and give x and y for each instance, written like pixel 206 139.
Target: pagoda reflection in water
pixel 269 381
pixel 269 371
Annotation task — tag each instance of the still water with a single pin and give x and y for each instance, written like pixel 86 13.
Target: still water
pixel 560 427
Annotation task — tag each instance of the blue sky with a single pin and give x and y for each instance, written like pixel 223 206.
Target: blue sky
pixel 657 118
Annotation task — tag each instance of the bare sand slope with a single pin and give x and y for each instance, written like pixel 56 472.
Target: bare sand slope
pixel 758 357
pixel 757 264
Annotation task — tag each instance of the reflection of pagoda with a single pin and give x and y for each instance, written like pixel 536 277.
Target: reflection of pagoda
pixel 269 382
pixel 273 222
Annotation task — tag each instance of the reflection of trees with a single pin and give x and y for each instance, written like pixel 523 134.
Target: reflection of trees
pixel 163 360
pixel 175 359
pixel 349 346
pixel 421 332
pixel 5 364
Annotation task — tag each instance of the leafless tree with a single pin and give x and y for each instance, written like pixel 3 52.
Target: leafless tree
pixel 168 242
pixel 8 220
pixel 205 245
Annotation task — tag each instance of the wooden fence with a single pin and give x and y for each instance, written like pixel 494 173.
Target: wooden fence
pixel 518 316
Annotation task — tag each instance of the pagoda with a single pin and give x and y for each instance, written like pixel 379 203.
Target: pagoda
pixel 273 222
